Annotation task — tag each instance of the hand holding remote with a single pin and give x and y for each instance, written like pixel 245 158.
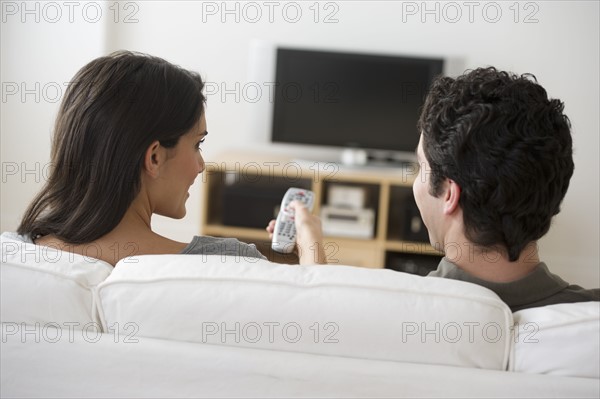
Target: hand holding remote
pixel 284 233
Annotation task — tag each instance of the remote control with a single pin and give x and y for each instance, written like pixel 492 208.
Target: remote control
pixel 284 235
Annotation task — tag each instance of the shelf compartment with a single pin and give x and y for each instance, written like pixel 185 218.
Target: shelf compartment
pixel 404 220
pixel 411 263
pixel 246 200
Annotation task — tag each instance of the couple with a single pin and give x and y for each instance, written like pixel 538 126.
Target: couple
pixel 495 158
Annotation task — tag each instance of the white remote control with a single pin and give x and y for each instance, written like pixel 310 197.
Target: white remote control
pixel 284 235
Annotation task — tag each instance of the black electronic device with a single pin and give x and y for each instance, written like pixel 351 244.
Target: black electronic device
pixel 250 205
pixel 350 100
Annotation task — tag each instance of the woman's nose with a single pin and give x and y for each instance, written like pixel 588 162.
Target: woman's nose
pixel 201 164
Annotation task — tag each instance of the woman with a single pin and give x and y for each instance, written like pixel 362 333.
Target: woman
pixel 126 146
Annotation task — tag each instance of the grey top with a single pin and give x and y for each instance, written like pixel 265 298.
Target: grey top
pixel 206 245
pixel 539 288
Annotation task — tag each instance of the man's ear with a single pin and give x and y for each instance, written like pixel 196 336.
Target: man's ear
pixel 153 159
pixel 451 197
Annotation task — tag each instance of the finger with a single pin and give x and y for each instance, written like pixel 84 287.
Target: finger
pixel 295 205
pixel 298 208
pixel 271 226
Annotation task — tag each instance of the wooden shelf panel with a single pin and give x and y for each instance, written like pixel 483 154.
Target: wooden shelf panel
pixel 252 164
pixel 412 247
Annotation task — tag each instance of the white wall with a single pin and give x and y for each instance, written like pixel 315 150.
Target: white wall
pixel 38 59
pixel 558 43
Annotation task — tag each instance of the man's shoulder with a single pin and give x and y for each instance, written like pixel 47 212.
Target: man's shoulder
pixel 576 291
pixel 539 288
pixel 571 294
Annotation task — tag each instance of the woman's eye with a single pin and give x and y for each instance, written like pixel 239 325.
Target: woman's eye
pixel 198 144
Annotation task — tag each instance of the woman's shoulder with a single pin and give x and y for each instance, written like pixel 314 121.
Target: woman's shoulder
pixel 207 245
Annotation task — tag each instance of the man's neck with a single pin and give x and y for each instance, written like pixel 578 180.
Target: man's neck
pixel 491 264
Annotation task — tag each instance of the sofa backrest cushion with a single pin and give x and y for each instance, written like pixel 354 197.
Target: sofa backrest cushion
pixel 45 286
pixel 331 310
pixel 559 339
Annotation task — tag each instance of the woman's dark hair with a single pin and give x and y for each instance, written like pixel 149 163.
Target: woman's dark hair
pixel 507 146
pixel 113 110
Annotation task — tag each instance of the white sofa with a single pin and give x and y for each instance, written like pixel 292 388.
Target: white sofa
pixel 212 326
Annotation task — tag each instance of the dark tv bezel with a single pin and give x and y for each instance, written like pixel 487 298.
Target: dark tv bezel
pixel 435 65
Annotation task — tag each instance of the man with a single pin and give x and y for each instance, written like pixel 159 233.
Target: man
pixel 496 160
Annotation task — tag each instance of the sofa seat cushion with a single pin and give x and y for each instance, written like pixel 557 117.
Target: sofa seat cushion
pixel 331 310
pixel 109 366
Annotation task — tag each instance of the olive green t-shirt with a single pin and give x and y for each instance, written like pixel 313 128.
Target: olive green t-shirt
pixel 539 288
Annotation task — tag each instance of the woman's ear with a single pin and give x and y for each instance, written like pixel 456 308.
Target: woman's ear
pixel 451 197
pixel 153 159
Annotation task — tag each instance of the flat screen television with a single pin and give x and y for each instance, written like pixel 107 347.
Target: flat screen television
pixel 363 101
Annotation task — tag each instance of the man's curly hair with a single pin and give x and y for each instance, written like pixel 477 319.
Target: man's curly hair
pixel 507 146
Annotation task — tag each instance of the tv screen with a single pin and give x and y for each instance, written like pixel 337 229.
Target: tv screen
pixel 350 100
